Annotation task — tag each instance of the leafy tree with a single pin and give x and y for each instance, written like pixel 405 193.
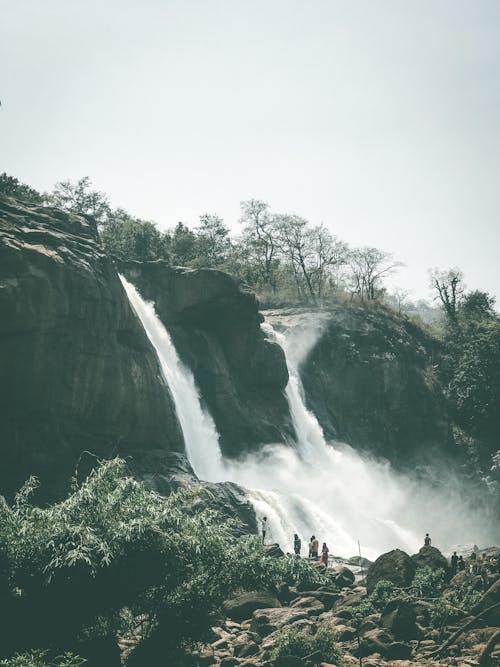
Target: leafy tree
pixel 213 241
pixel 80 198
pixel 12 187
pixel 183 246
pixel 476 306
pixel 127 237
pixel 70 570
pixel 301 644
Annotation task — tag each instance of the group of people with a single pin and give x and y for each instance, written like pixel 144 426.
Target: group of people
pixel 297 545
pixel 474 564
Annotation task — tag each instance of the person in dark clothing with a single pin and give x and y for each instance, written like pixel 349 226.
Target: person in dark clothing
pixel 461 564
pixel 296 544
pixel 454 564
pixel 427 540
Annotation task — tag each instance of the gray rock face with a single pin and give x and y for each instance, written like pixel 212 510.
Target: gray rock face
pixel 215 325
pixel 431 557
pixel 77 370
pixel 370 381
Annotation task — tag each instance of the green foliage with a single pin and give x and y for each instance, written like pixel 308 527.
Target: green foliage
pixel 114 545
pixel 383 593
pixel 427 582
pixel 464 596
pixel 80 198
pixel 301 644
pixel 42 659
pixel 12 187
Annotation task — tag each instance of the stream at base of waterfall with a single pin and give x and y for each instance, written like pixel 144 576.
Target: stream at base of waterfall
pixel 312 486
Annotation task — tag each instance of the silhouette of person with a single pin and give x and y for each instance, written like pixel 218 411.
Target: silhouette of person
pixel 454 563
pixel 296 544
pixel 313 547
pixel 263 527
pixel 461 564
pixel 427 540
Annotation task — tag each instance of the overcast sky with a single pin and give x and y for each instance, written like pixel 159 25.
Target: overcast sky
pixel 380 118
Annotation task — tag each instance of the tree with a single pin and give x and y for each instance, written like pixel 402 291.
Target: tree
pixel 327 255
pixel 449 286
pixel 12 187
pixel 127 238
pixel 80 198
pixel 183 245
pixel 368 267
pixel 477 306
pixel 295 245
pixel 260 236
pixel 213 240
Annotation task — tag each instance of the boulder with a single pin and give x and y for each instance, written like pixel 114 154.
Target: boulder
pixel 399 617
pixel 311 605
pixel 343 576
pixel 431 557
pixel 265 621
pixel 398 651
pixel 374 641
pixel 243 605
pixel 395 566
pixel 490 598
pixel 273 550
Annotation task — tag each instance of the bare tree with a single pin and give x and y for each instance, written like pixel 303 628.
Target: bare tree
pixel 450 287
pixel 260 234
pixel 327 255
pixel 368 267
pixel 294 243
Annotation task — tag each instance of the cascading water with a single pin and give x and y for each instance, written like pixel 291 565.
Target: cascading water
pixel 200 434
pixel 317 487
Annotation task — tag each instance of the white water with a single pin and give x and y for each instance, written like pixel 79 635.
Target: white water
pixel 317 487
pixel 200 434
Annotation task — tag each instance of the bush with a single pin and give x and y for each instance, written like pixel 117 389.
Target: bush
pixel 42 659
pixel 428 583
pixel 69 571
pixel 302 644
pixel 383 593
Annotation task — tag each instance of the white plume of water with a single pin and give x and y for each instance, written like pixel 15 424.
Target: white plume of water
pixel 200 433
pixel 326 489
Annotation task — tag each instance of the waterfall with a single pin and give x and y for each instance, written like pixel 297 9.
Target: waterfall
pixel 326 489
pixel 200 434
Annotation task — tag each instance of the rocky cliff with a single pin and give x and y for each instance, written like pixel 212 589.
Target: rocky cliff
pixel 77 370
pixel 370 380
pixel 215 324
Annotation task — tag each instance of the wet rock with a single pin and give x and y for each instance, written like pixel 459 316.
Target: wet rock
pixel 395 566
pixel 265 621
pixel 273 551
pixel 311 605
pixel 398 651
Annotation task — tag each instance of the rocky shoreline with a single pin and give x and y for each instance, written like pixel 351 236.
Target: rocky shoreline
pixel 400 635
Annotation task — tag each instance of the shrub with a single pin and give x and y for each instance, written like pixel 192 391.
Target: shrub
pixel 383 593
pixel 428 583
pixel 42 659
pixel 70 570
pixel 302 644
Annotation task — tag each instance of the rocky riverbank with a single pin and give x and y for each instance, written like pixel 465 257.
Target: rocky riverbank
pixel 405 629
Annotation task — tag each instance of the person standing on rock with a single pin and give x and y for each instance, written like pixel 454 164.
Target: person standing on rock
pixel 454 564
pixel 324 554
pixel 296 544
pixel 461 564
pixel 313 547
pixel 427 540
pixel 263 528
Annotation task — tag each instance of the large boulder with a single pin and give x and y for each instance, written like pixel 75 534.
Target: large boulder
pixel 431 557
pixel 490 599
pixel 243 605
pixel 395 566
pixel 215 323
pixel 399 616
pixel 78 371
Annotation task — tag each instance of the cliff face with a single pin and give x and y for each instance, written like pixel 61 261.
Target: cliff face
pixel 77 370
pixel 369 379
pixel 215 324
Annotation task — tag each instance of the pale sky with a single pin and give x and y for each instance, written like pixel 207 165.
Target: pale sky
pixel 380 118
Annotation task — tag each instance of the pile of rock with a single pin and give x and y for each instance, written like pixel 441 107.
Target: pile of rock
pixel 401 635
